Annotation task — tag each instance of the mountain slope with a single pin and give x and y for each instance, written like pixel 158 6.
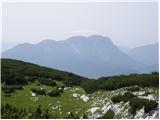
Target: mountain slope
pixel 124 49
pixel 147 54
pixel 92 56
pixel 18 72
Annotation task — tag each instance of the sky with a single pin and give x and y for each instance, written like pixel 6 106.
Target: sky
pixel 128 24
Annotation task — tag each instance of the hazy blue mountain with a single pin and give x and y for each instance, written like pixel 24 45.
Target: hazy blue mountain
pixel 147 54
pixel 92 56
pixel 7 45
pixel 124 49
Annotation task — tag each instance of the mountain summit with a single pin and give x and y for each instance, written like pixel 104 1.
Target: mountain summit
pixel 92 56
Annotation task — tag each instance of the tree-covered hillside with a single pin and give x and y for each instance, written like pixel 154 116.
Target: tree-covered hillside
pixel 16 72
pixel 19 72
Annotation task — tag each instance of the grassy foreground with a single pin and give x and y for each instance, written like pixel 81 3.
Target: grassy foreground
pixel 32 91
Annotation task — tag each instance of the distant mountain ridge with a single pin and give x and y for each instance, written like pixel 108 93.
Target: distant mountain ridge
pixel 147 54
pixel 92 56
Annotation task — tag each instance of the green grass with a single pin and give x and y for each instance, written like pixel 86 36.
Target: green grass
pixel 23 99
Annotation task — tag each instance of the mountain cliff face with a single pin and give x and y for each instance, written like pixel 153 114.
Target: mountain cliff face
pixel 92 56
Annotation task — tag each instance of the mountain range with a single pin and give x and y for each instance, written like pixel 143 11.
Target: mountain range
pixel 94 56
pixel 147 54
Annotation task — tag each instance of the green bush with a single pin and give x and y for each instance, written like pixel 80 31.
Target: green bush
pixel 138 103
pixel 126 97
pixel 46 81
pixel 10 77
pixel 108 115
pixel 55 93
pixel 11 88
pixel 11 112
pixel 72 116
pixel 133 88
pixel 116 82
pixel 7 89
pixel 38 91
pixel 30 78
pixel 90 86
pixel 40 113
pixel 155 73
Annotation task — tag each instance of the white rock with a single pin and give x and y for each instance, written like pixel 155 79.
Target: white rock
pixel 33 94
pixel 125 114
pixel 141 92
pixel 56 107
pixel 65 88
pixel 140 114
pixel 155 115
pixel 117 108
pixel 149 97
pixel 69 113
pixel 75 95
pixel 94 110
pixel 84 98
pixel 135 93
pixel 106 108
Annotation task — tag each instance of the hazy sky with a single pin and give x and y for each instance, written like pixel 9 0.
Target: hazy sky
pixel 127 24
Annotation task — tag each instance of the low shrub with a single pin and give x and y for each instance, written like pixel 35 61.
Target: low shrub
pixel 133 88
pixel 38 91
pixel 11 88
pixel 126 97
pixel 12 112
pixel 138 103
pixel 108 115
pixel 72 116
pixel 30 78
pixel 7 89
pixel 9 111
pixel 46 81
pixel 55 93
